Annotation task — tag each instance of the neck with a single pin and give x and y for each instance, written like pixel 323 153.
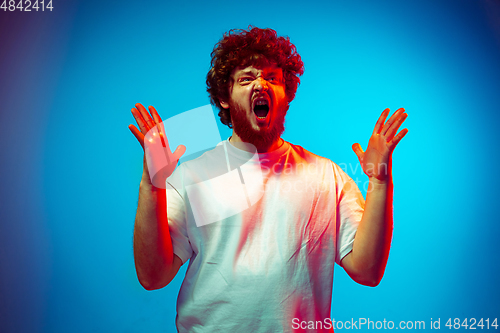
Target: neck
pixel 236 141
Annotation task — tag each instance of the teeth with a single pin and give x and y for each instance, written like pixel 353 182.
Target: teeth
pixel 261 102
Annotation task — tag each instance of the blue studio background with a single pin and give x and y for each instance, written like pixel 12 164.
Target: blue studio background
pixel 70 167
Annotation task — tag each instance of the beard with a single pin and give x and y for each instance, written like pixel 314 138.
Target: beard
pixel 264 137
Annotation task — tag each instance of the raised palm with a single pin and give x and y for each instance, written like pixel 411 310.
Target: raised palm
pixel 159 161
pixel 376 160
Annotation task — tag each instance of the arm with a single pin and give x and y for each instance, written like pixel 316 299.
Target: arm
pixel 155 262
pixel 366 262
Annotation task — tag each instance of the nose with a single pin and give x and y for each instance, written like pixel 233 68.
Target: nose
pixel 260 84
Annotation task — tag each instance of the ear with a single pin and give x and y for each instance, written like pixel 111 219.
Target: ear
pixel 224 104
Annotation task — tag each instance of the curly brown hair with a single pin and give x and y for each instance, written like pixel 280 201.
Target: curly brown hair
pixel 242 48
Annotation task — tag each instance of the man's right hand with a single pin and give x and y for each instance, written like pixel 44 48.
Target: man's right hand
pixel 158 159
pixel 155 262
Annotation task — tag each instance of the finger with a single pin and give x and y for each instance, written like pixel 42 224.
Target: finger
pixel 140 121
pixel 155 114
pixel 380 121
pixel 145 115
pixel 397 138
pixel 139 136
pixel 160 126
pixel 395 126
pixel 179 151
pixel 391 120
pixel 358 151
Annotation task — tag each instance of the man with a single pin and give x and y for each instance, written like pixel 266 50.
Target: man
pixel 268 268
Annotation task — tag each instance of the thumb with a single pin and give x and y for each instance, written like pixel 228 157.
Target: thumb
pixel 358 151
pixel 179 151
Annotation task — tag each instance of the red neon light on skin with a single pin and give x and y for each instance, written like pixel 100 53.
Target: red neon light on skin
pixel 157 150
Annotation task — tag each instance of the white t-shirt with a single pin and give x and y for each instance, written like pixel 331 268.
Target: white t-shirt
pixel 272 261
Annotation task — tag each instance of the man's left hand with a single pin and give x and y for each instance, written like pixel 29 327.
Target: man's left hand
pixel 376 160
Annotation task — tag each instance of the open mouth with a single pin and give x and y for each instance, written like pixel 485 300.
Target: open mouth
pixel 261 109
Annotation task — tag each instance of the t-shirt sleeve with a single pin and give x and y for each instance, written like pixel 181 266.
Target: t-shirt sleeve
pixel 350 208
pixel 177 223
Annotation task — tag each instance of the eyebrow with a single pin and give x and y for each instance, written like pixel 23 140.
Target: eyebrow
pixel 250 72
pixel 247 72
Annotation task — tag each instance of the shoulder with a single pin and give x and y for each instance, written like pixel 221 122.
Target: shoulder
pixel 309 157
pixel 209 159
pixel 199 167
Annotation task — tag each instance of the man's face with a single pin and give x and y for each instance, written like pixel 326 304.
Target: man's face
pixel 258 104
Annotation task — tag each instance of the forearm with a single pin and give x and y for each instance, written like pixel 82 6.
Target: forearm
pixel 373 237
pixel 153 251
